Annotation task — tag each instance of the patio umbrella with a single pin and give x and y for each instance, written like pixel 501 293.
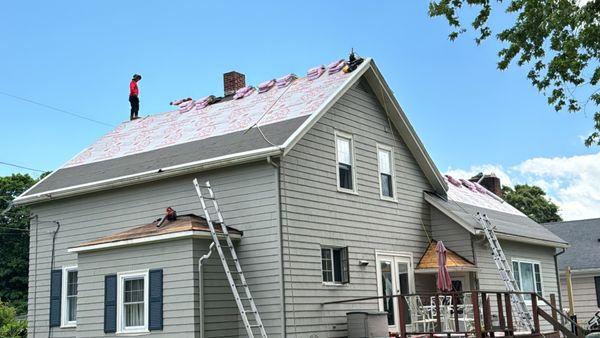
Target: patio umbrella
pixel 444 283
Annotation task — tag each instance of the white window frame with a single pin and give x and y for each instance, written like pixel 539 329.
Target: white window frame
pixel 532 262
pixel 121 277
pixel 393 173
pixel 333 282
pixel 354 190
pixel 64 322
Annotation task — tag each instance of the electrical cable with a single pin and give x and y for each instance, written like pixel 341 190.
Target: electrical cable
pixel 21 167
pixel 56 109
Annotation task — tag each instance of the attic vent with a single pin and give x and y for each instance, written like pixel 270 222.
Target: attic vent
pixel 453 180
pixel 469 185
pixel 315 73
pixel 205 101
pixel 243 92
pixel 335 66
pixel 265 86
pixel 285 81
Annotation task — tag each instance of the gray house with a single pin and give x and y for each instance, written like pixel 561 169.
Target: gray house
pixel 328 190
pixel 583 258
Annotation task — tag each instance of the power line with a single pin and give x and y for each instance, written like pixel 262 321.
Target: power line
pixel 22 167
pixel 56 109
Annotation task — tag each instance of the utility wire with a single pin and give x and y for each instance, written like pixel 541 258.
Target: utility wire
pixel 22 167
pixel 56 109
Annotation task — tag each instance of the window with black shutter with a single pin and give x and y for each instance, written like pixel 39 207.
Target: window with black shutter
pixel 335 266
pixel 110 303
pixel 597 282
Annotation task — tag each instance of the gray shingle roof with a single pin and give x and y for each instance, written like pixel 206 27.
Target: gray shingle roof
pixel 506 223
pixel 208 148
pixel 584 237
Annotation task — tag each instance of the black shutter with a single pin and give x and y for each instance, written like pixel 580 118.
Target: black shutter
pixel 155 315
pixel 345 265
pixel 597 282
pixel 110 303
pixel 55 297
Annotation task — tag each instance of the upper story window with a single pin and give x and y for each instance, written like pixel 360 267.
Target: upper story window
pixel 385 158
pixel 133 302
pixel 528 276
pixel 334 265
pixel 345 162
pixel 69 296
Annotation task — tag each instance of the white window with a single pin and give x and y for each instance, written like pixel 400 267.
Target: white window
pixel 345 162
pixel 528 275
pixel 334 264
pixel 69 297
pixel 385 159
pixel 132 302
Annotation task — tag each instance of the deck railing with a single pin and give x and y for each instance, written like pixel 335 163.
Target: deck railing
pixel 489 313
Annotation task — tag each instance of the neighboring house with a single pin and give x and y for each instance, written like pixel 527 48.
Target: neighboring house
pixel 330 192
pixel 583 256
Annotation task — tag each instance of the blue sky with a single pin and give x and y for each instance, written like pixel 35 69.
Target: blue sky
pixel 79 56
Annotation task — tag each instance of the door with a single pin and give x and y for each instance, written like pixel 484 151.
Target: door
pixel 395 276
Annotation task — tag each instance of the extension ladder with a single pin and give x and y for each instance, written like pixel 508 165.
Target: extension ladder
pixel 257 323
pixel 505 271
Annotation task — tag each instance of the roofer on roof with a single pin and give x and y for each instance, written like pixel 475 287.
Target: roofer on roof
pixel 133 96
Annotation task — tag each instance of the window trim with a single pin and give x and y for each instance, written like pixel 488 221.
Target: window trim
pixel 341 134
pixel 334 282
pixel 64 323
pixel 532 262
pixel 121 277
pixel 394 197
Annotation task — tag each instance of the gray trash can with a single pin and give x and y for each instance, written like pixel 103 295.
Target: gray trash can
pixel 367 324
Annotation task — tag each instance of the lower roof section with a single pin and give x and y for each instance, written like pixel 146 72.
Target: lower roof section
pixel 219 148
pixel 184 226
pixel 507 226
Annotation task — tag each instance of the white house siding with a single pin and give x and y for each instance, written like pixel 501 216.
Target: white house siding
pixel 314 213
pixel 584 295
pixel 454 236
pixel 248 197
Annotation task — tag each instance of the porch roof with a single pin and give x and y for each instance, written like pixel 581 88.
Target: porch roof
pixel 184 226
pixel 454 262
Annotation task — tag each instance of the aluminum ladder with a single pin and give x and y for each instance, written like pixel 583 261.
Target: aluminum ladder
pixel 257 322
pixel 505 270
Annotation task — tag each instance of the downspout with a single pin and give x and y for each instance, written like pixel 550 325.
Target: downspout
pixel 280 212
pixel 201 287
pixel 558 278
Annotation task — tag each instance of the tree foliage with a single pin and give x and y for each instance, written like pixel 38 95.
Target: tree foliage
pixel 10 326
pixel 532 201
pixel 14 242
pixel 559 40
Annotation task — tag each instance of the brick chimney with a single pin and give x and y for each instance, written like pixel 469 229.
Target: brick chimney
pixel 490 182
pixel 232 81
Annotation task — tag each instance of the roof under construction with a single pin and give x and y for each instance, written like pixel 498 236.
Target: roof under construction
pixel 184 225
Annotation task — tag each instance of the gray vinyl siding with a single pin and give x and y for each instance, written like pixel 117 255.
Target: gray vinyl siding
pixel 584 296
pixel 248 197
pixel 489 277
pixel 174 257
pixel 454 236
pixel 315 214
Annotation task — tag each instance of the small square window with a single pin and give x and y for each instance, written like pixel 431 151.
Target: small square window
pixel 334 265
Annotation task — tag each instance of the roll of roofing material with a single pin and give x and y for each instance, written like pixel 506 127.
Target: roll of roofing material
pixel 285 80
pixel 243 92
pixel 335 66
pixel 315 72
pixel 265 86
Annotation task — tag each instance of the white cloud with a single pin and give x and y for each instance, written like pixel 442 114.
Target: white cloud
pixel 571 182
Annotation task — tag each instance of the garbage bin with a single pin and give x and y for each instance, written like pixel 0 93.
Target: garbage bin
pixel 367 324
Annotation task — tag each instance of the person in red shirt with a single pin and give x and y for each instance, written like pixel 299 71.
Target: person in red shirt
pixel 134 100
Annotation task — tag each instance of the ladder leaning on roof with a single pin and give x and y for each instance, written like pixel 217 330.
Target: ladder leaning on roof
pixel 232 282
pixel 505 270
